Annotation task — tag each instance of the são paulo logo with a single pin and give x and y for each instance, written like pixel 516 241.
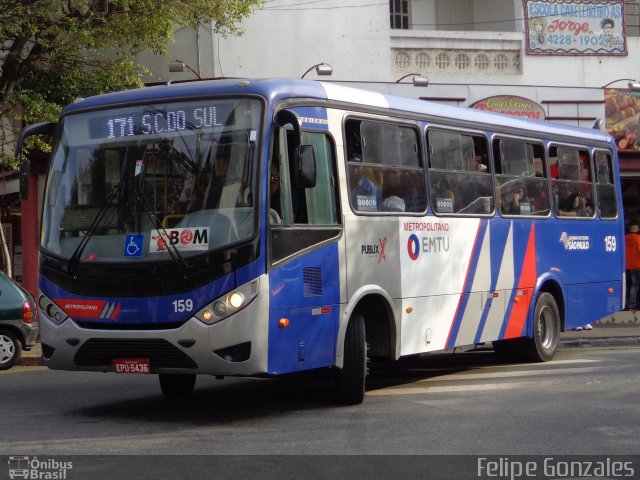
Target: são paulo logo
pixel 574 242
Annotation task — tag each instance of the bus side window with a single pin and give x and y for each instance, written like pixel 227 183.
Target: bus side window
pixel 384 167
pixel 605 186
pixel 520 178
pixel 458 173
pixel 364 192
pixel 572 189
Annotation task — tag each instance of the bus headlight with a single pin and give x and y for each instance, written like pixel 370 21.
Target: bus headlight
pixel 228 304
pixel 51 310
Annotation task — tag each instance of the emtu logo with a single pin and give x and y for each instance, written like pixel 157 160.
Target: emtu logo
pixel 413 246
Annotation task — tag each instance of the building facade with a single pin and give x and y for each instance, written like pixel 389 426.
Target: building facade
pixel 468 49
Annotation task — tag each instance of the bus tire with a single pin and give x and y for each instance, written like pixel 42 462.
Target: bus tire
pixel 349 381
pixel 175 386
pixel 10 349
pixel 546 330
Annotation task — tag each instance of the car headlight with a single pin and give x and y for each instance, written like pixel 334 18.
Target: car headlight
pixel 228 304
pixel 51 310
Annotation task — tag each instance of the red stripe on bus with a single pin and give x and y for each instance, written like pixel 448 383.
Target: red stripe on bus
pixel 519 310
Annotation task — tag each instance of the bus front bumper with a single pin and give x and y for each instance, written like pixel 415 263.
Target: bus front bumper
pixel 234 346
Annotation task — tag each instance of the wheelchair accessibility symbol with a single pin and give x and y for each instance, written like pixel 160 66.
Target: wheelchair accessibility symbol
pixel 133 245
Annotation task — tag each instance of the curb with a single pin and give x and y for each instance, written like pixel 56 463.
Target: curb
pixel 30 361
pixel 32 357
pixel 600 342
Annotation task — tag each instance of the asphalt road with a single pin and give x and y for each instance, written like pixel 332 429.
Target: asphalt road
pixel 468 404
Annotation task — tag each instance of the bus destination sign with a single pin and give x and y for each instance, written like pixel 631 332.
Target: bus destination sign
pixel 161 119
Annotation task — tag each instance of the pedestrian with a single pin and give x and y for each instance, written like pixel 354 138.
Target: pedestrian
pixel 632 263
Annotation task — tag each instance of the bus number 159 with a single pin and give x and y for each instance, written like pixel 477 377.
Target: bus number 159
pixel 610 243
pixel 180 306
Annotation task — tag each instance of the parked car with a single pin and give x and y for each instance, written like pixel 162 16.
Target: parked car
pixel 18 322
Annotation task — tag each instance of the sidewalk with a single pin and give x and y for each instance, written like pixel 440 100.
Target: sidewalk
pixel 619 329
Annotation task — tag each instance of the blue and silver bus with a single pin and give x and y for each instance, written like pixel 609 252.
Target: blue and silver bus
pixel 267 227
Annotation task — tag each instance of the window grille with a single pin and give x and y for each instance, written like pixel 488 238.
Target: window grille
pixel 399 14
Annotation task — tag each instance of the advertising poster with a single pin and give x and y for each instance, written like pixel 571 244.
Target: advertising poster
pixel 557 27
pixel 622 112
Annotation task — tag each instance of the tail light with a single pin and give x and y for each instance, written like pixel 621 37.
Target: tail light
pixel 27 313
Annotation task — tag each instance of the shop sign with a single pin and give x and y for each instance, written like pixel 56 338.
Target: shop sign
pixel 577 27
pixel 512 105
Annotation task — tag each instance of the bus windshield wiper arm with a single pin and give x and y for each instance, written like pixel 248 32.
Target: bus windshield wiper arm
pixel 148 210
pixel 77 253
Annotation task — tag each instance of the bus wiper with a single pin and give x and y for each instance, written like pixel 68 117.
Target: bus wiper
pixel 77 253
pixel 149 211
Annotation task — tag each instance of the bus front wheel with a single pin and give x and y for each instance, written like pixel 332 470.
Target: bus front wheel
pixel 175 386
pixel 546 330
pixel 350 379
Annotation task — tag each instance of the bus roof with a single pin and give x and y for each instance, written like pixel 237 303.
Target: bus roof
pixel 279 89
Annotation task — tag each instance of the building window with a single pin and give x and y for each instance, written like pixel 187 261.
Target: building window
pixel 422 60
pixel 402 60
pixel 399 14
pixel 501 62
pixel 442 61
pixel 482 61
pixel 462 61
pixel 632 17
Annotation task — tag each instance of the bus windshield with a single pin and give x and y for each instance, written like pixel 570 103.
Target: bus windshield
pixel 153 182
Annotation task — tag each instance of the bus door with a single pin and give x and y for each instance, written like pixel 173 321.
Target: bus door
pixel 304 229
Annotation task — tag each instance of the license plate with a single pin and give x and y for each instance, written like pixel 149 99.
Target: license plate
pixel 139 366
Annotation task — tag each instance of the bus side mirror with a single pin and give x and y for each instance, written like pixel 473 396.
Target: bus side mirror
pixel 304 171
pixel 24 180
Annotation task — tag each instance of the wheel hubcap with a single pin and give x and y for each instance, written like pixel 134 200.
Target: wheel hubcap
pixel 7 349
pixel 546 331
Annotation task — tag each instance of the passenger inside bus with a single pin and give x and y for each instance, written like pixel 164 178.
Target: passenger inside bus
pixel 571 202
pixel 393 191
pixel 481 162
pixel 442 198
pixel 572 188
pixel 515 200
pixel 415 195
pixel 364 195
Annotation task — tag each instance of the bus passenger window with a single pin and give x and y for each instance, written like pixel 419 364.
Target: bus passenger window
pixel 458 167
pixel 571 185
pixel 384 167
pixel 520 178
pixel 605 186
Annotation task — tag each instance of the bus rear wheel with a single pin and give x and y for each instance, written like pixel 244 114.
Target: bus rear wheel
pixel 350 379
pixel 546 330
pixel 175 386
